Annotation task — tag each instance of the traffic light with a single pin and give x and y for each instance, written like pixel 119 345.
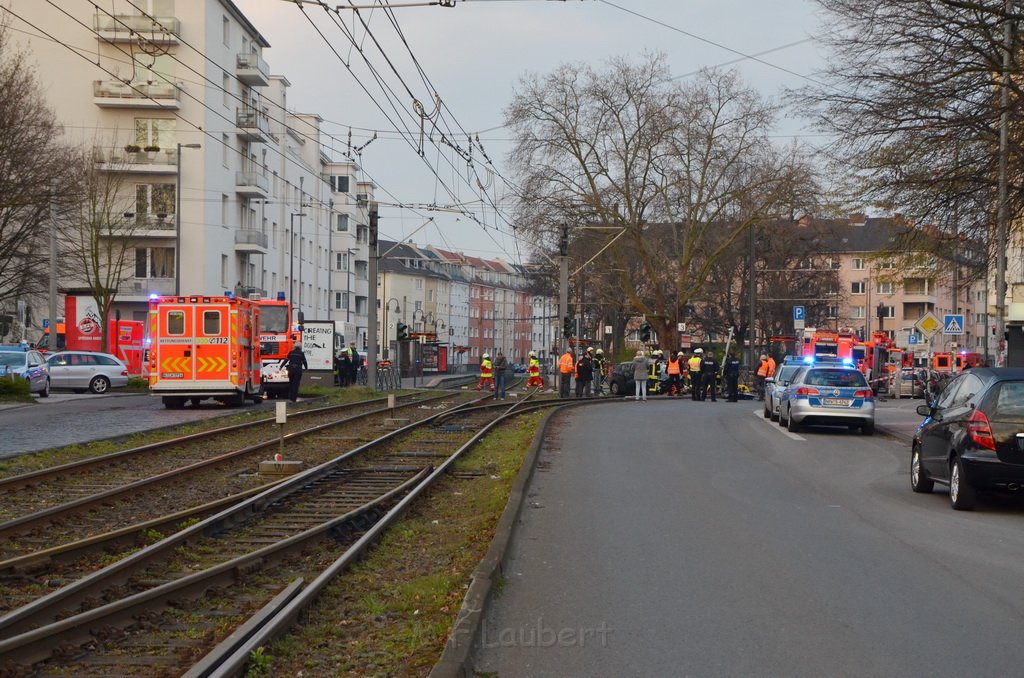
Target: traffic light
pixel 645 332
pixel 567 326
pixel 403 331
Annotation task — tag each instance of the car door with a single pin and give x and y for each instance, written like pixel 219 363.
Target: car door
pixel 60 370
pixel 37 371
pixel 938 430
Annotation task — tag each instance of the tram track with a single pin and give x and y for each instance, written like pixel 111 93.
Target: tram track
pixel 255 549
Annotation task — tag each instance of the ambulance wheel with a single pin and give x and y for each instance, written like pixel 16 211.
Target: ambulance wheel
pixel 173 402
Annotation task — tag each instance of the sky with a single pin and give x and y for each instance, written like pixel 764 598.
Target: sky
pixel 473 55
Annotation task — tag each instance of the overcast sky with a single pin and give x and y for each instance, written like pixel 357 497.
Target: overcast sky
pixel 473 55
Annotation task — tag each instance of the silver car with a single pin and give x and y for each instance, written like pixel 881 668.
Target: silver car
pixel 833 395
pixel 85 370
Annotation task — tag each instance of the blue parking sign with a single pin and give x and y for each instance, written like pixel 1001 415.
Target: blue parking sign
pixel 798 313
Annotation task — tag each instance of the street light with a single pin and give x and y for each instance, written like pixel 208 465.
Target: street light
pixel 348 284
pixel 177 217
pixel 291 263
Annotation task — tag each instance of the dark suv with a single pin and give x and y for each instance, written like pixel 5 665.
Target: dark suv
pixel 972 437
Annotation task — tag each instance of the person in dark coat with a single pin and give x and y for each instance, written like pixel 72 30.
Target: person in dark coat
pixel 708 375
pixel 295 362
pixel 344 367
pixel 732 378
pixel 500 366
pixel 355 362
pixel 584 374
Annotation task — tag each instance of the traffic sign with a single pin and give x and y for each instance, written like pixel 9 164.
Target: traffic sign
pixel 953 324
pixel 912 339
pixel 928 324
pixel 798 313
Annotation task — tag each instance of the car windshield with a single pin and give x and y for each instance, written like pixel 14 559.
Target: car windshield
pixel 836 378
pixel 12 359
pixel 1010 401
pixel 786 373
pixel 274 319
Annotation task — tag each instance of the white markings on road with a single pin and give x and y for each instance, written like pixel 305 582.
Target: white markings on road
pixel 760 415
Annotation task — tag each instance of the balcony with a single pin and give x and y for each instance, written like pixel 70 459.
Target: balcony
pixel 248 241
pixel 151 226
pixel 118 94
pixel 164 161
pixel 251 125
pixel 159 30
pixel 143 287
pixel 251 185
pixel 252 70
pixel 919 297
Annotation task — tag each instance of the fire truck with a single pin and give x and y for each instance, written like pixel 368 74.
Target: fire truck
pixel 204 347
pixel 277 336
pixel 82 333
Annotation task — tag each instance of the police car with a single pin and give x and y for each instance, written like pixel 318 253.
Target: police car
pixel 28 364
pixel 773 386
pixel 831 393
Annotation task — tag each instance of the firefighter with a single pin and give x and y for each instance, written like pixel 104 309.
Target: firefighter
pixel 295 362
pixel 708 376
pixel 599 368
pixel 486 373
pixel 762 374
pixel 654 375
pixel 566 365
pixel 732 377
pixel 674 369
pixel 534 373
pixel 693 366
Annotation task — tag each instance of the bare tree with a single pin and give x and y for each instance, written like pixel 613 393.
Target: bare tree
pixel 629 147
pixel 32 162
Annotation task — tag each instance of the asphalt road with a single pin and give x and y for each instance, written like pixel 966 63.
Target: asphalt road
pixel 67 418
pixel 699 539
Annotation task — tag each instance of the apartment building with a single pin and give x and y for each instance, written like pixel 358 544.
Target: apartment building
pixel 226 189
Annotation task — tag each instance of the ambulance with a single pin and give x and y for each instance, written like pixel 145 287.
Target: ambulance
pixel 203 347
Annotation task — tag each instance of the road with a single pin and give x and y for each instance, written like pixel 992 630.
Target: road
pixel 699 539
pixel 68 418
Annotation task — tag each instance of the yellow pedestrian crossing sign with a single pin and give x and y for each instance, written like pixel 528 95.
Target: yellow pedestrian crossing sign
pixel 953 324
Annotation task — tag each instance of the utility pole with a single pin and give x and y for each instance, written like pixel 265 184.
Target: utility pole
pixel 752 294
pixel 1002 215
pixel 51 343
pixel 371 307
pixel 563 285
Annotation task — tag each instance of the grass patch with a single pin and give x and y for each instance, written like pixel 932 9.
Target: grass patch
pixel 14 390
pixel 392 612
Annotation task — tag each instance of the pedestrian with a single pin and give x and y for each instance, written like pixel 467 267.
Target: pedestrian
pixel 344 367
pixel 486 373
pixel 500 366
pixel 599 368
pixel 566 365
pixel 732 377
pixel 708 376
pixel 584 374
pixel 295 362
pixel 641 365
pixel 693 365
pixel 762 374
pixel 356 363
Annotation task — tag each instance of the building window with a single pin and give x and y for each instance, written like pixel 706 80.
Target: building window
pixel 155 132
pixel 884 288
pixel 341 261
pixel 154 262
pixel 225 84
pixel 858 264
pixel 224 210
pixel 339 184
pixel 857 312
pixel 156 199
pixel 342 222
pixel 419 283
pixel 226 29
pixel 857 288
pixel 887 264
pixel 888 312
pixel 225 150
pixel 832 312
pixel 224 270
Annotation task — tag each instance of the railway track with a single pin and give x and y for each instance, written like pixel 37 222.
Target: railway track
pixel 159 611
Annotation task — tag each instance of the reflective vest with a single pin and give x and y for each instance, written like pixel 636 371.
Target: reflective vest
pixel 771 367
pixel 534 368
pixel 673 366
pixel 762 369
pixel 566 364
pixel 693 364
pixel 485 369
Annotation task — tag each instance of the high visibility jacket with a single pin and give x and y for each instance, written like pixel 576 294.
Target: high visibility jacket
pixel 673 366
pixel 771 367
pixel 762 369
pixel 693 364
pixel 534 368
pixel 485 369
pixel 566 365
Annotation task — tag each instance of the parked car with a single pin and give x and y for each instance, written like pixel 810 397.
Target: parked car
pixel 85 370
pixel 28 365
pixel 831 394
pixel 621 382
pixel 908 382
pixel 773 387
pixel 972 437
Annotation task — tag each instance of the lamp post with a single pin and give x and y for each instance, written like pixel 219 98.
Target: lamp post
pixel 348 284
pixel 291 264
pixel 177 216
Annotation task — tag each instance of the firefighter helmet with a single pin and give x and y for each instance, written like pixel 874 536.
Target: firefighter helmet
pixel 487 355
pixel 533 354
pixel 600 351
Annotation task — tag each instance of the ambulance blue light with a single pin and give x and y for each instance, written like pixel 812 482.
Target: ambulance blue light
pixel 153 296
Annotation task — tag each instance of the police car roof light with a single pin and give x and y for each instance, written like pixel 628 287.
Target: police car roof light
pixel 808 360
pixel 848 362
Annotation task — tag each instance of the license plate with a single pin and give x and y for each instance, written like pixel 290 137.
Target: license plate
pixel 836 402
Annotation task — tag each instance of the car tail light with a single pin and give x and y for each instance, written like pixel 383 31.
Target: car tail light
pixel 124 373
pixel 979 430
pixel 807 391
pixel 864 393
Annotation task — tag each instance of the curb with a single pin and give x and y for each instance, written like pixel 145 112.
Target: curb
pixel 456 659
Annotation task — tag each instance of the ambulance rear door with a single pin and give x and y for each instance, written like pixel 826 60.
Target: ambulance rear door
pixel 174 344
pixel 213 344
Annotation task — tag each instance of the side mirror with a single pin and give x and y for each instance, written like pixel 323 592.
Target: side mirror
pixel 924 410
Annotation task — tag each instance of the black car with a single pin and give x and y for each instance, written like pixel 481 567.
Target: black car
pixel 973 436
pixel 621 382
